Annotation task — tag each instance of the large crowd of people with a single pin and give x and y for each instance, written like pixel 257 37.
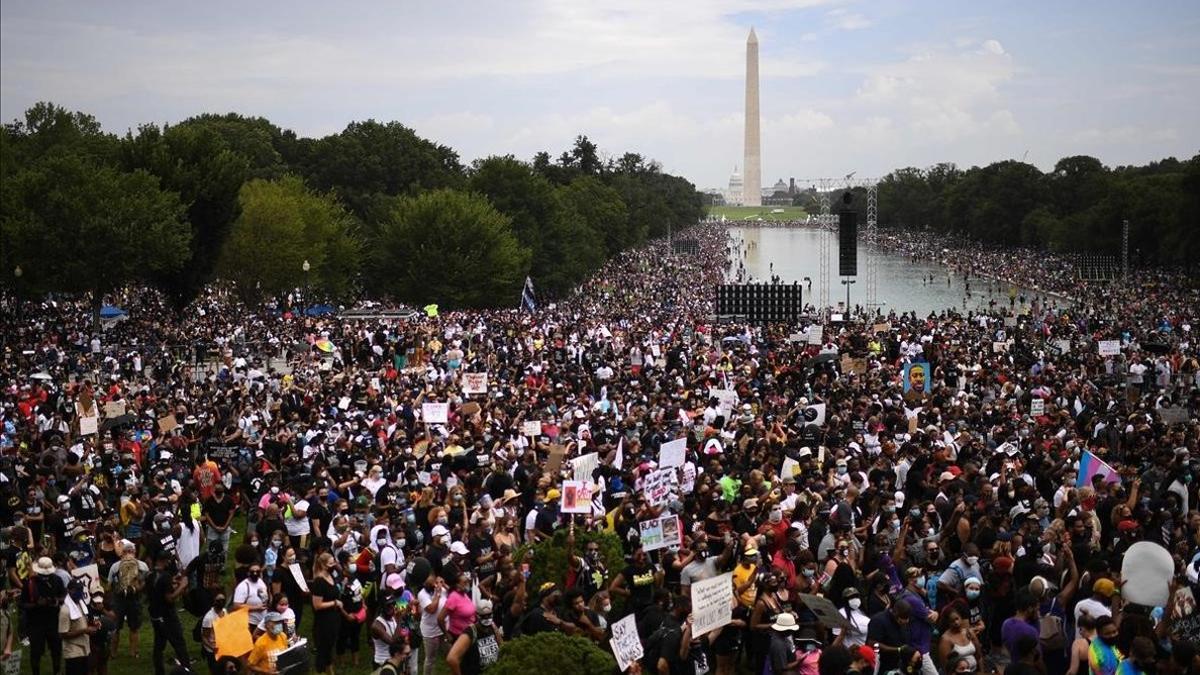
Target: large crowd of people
pixel 253 460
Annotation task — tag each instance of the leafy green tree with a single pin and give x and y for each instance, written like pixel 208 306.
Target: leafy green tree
pixel 601 208
pixel 195 160
pixel 374 158
pixel 552 652
pixel 78 227
pixel 48 128
pixel 450 248
pixel 282 224
pixel 265 147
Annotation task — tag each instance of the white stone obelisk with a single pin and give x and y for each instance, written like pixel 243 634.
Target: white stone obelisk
pixel 752 173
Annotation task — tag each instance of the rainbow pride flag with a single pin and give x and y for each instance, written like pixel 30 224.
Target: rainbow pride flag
pixel 1091 465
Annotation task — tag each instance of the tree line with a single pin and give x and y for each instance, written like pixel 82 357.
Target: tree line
pixel 1078 207
pixel 373 211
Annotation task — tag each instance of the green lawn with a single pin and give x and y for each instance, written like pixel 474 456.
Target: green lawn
pixel 755 212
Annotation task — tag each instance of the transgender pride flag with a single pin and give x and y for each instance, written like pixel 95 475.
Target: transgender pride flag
pixel 1091 465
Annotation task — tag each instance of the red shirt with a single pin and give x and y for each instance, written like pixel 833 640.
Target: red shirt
pixel 206 478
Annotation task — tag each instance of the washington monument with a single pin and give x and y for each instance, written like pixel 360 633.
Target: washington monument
pixel 752 182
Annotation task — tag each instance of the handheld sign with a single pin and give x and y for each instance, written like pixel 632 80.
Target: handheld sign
pixel 531 428
pixel 712 603
pixel 1147 570
pixel 435 413
pixel 576 497
pixel 625 643
pixel 662 532
pixel 1037 407
pixel 672 453
pixel 474 383
pixel 1109 347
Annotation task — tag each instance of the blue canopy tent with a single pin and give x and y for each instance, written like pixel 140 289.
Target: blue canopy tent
pixel 320 310
pixel 111 312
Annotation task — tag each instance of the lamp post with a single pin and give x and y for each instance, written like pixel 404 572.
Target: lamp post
pixel 847 283
pixel 304 305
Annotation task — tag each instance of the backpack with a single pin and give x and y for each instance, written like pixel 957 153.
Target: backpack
pixel 386 669
pixel 1050 631
pixel 129 578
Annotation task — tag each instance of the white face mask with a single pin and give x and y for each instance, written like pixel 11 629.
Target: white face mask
pixel 854 603
pixel 972 560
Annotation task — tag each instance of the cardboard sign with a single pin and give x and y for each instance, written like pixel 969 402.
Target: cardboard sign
pixel 881 328
pixel 531 428
pixel 658 486
pixel 825 610
pixel 554 464
pixel 435 413
pixel 625 643
pixel 712 603
pixel 853 366
pixel 576 497
pixel 662 532
pixel 1173 416
pixel 672 453
pixel 232 637
pixel 167 424
pixel 89 425
pixel 1109 347
pixel 1037 407
pixel 1146 571
pixel 583 467
pixel 474 383
pixel 114 409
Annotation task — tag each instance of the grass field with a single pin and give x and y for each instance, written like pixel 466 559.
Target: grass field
pixel 755 212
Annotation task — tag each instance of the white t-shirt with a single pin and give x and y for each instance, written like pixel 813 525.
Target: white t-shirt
pixel 382 649
pixel 298 527
pixel 429 623
pixel 207 624
pixel 254 595
pixel 857 635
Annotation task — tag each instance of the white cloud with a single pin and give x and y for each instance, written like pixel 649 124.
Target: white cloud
pixel 845 19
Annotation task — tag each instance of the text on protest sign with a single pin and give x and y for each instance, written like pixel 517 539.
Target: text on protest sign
pixel 659 486
pixel 583 467
pixel 576 496
pixel 1109 347
pixel 1037 407
pixel 531 428
pixel 661 532
pixel 625 643
pixel 712 603
pixel 435 413
pixel 474 383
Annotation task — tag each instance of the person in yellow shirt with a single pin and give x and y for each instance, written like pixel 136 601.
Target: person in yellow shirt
pixel 745 576
pixel 268 646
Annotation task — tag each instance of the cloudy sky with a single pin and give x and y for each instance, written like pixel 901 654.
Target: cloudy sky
pixel 846 86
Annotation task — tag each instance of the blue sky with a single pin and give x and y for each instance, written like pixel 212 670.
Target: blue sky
pixel 846 86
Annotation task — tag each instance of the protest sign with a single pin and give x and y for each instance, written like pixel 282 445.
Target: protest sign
pixel 1146 572
pixel 88 425
pixel 435 413
pixel 825 610
pixel 791 468
pixel 1187 629
pixel 531 428
pixel 660 532
pixel 672 453
pixel 625 643
pixel 727 399
pixel 853 366
pixel 231 635
pixel 11 664
pixel 576 496
pixel 999 347
pixel 1037 407
pixel 298 575
pixel 1109 347
pixel 114 409
pixel 474 383
pixel 90 575
pixel 344 403
pixel 554 463
pixel 881 328
pixel 167 423
pixel 1173 416
pixel 712 603
pixel 688 482
pixel 1064 346
pixel 916 377
pixel 814 414
pixel 583 467
pixel 658 486
pixel 815 334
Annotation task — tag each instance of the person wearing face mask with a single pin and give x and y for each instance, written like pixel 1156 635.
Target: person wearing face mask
pixel 76 624
pixel 854 634
pixel 479 645
pixel 587 573
pixel 952 580
pixel 1098 605
pixel 284 583
pixel 166 587
pixel 430 601
pixel 1104 658
pixel 253 594
pixel 268 646
pixel 208 633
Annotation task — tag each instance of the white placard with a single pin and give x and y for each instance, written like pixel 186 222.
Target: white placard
pixel 660 532
pixel 712 603
pixel 791 468
pixel 344 403
pixel 1109 347
pixel 672 453
pixel 435 413
pixel 1064 346
pixel 474 383
pixel 531 428
pixel 298 575
pixel 727 400
pixel 576 497
pixel 659 485
pixel 1037 407
pixel 1146 570
pixel 625 643
pixel 815 334
pixel 583 467
pixel 88 425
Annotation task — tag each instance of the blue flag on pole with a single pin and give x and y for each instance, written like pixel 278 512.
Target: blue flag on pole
pixel 528 299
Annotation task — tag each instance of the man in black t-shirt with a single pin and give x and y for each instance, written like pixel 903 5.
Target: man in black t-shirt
pixel 166 586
